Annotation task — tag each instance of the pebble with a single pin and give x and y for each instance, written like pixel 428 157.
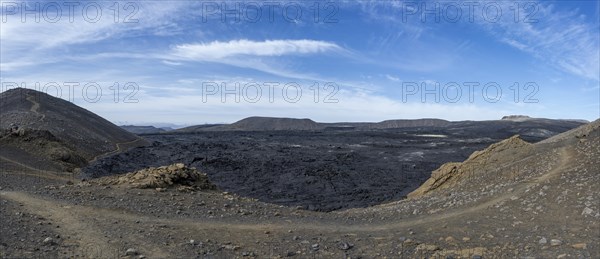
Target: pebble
pixel 426 247
pixel 555 242
pixel 231 247
pixel 587 211
pixel 543 241
pixel 580 246
pixel 345 246
pixel 48 241
pixel 131 251
pixel 315 246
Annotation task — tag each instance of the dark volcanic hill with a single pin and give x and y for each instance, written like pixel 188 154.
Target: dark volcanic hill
pixel 266 123
pixel 69 126
pixel 142 129
pixel 197 128
pixel 259 124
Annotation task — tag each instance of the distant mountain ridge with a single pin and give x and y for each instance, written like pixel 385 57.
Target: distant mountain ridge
pixel 257 123
pixel 267 123
pixel 524 125
pixel 142 129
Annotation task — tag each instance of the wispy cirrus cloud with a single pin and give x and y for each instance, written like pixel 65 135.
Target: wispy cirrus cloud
pixel 224 49
pixel 563 38
pixel 560 38
pixel 263 56
pixel 32 39
pixel 392 78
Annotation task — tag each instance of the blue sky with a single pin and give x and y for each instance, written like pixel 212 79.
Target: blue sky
pixel 179 61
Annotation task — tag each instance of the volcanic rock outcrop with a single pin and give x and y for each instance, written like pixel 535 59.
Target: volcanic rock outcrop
pixel 175 175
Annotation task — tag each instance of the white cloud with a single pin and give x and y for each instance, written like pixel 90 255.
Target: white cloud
pixel 219 50
pixel 29 43
pixel 171 63
pixel 392 78
pixel 562 39
pixel 515 44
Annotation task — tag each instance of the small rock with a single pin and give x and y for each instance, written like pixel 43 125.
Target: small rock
pixel 561 256
pixel 587 211
pixel 315 247
pixel 48 241
pixel 131 251
pixel 295 238
pixel 426 247
pixel 450 239
pixel 231 247
pixel 555 242
pixel 192 242
pixel 466 239
pixel 290 253
pixel 580 246
pixel 543 241
pixel 345 246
